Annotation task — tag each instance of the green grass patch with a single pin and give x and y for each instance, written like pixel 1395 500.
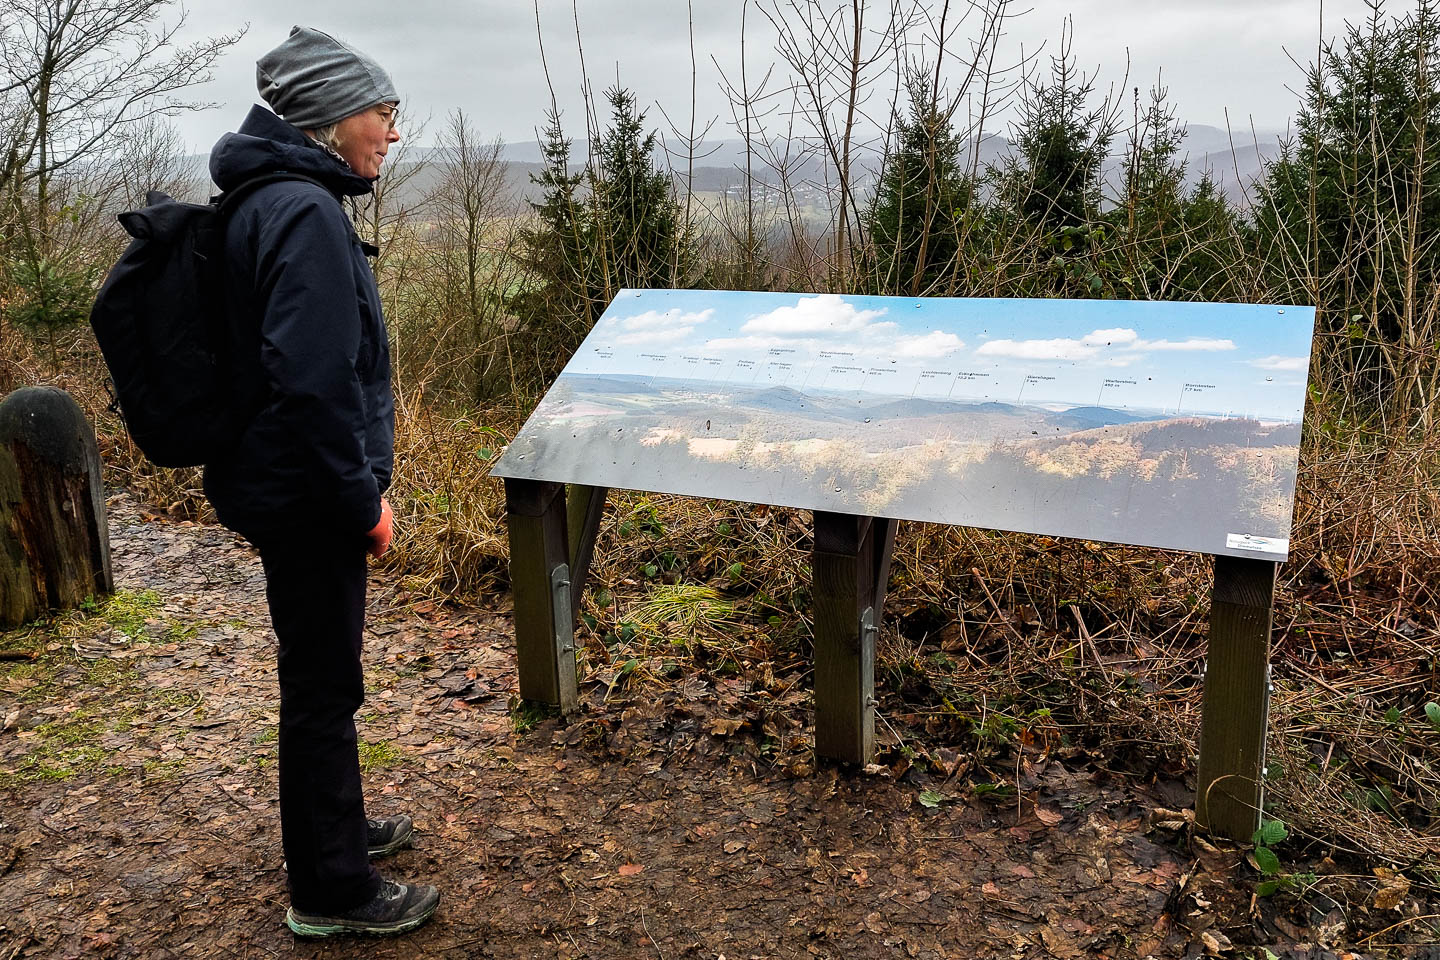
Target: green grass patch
pixel 64 749
pixel 32 681
pixel 69 745
pixel 50 764
pixel 172 698
pixel 110 674
pixel 163 769
pixel 77 730
pixel 379 755
pixel 526 715
pixel 180 633
pixel 127 611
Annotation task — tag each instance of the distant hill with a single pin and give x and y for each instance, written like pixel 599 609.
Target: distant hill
pixel 1233 160
pixel 1195 433
pixel 858 407
pixel 1100 417
pixel 719 167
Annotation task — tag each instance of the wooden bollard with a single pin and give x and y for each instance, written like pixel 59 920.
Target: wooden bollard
pixel 54 542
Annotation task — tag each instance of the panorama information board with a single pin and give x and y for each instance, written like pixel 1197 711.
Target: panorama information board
pixel 1159 424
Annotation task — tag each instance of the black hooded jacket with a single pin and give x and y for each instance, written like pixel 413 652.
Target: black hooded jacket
pixel 310 357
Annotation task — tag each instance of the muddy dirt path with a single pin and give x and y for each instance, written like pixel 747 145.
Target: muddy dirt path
pixel 139 816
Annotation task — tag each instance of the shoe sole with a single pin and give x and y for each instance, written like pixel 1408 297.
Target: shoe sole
pixel 317 927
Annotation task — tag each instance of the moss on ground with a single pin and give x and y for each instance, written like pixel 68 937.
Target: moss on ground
pixel 110 694
pixel 379 755
pixel 127 611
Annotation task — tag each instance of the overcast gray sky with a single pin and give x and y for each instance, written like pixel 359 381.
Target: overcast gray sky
pixel 484 57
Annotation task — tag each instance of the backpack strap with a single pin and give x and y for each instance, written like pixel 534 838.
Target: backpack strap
pixel 228 200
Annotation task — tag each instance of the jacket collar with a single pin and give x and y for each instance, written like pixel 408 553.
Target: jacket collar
pixel 267 144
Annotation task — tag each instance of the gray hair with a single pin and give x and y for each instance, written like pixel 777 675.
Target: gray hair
pixel 326 138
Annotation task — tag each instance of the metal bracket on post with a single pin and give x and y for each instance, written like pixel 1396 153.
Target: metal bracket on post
pixel 868 633
pixel 1264 740
pixel 564 636
pixel 583 509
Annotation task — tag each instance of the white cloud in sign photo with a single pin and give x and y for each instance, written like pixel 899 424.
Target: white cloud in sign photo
pixel 1282 363
pixel 937 343
pixel 1193 343
pixel 1116 337
pixel 825 314
pixel 657 328
pixel 1060 348
pixel 1093 344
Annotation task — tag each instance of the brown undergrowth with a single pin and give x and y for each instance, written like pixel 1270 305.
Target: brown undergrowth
pixel 999 648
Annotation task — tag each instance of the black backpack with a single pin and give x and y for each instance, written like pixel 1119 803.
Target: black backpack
pixel 160 322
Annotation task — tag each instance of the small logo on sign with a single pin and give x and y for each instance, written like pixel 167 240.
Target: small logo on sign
pixel 1248 541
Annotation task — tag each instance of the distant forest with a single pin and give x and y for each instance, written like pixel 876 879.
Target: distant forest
pixel 1185 483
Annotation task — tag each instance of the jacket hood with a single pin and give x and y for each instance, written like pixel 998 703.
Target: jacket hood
pixel 267 144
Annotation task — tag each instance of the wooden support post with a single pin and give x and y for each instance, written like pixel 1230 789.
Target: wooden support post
pixel 850 567
pixel 1231 776
pixel 541 582
pixel 54 539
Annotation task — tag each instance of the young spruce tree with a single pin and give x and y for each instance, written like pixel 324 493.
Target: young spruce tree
pixel 639 237
pixel 916 214
pixel 556 306
pixel 1179 244
pixel 612 226
pixel 1061 145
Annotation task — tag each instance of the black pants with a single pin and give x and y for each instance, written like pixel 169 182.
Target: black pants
pixel 316 590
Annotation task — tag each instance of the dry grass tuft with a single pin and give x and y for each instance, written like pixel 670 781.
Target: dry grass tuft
pixel 450 531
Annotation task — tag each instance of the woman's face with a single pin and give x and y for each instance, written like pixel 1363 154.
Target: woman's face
pixel 364 138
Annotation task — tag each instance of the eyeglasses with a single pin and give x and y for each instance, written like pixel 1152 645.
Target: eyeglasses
pixel 388 113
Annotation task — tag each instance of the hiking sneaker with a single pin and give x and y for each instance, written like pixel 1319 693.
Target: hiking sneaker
pixel 396 908
pixel 388 834
pixel 383 836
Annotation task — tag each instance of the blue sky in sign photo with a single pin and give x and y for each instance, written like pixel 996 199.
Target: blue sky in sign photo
pixel 1243 360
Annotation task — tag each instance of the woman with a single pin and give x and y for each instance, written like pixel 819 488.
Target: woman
pixel 306 477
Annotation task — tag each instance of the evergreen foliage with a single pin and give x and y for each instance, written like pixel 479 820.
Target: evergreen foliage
pixel 615 225
pixel 1214 260
pixel 557 249
pixel 916 214
pixel 1154 175
pixel 1350 214
pixel 1061 146
pixel 1180 244
pixel 45 296
pixel 1044 234
pixel 637 219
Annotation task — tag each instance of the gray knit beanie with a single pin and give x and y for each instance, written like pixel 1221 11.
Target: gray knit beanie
pixel 313 80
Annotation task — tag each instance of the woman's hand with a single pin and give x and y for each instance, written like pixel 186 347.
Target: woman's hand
pixel 383 531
